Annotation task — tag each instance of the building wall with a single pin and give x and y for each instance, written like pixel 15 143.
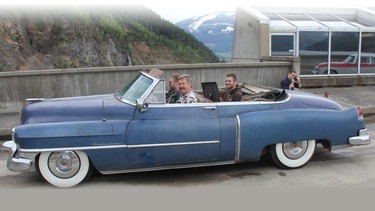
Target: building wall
pixel 250 38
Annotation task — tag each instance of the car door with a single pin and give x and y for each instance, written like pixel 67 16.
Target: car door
pixel 173 134
pixel 367 64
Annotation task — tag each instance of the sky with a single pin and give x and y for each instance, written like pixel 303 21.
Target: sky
pixel 177 10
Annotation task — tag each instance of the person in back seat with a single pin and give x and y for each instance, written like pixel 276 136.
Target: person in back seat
pixel 234 92
pixel 174 91
pixel 185 83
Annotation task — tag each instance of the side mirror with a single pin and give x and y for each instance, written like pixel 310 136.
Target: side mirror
pixel 141 105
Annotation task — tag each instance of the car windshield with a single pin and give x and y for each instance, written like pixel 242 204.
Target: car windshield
pixel 135 89
pixel 350 59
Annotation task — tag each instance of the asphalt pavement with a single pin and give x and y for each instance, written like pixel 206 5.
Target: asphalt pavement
pixel 362 96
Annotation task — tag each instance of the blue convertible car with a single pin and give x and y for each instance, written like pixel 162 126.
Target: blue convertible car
pixel 135 130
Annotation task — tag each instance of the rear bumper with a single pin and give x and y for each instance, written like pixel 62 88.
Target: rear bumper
pixel 363 138
pixel 16 161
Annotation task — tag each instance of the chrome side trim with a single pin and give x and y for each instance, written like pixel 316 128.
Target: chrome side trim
pixel 117 146
pixel 173 144
pixel 238 138
pixel 169 167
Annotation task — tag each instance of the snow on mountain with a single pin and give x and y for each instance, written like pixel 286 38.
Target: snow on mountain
pixel 215 30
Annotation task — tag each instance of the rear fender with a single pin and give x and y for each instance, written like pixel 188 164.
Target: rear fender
pixel 261 129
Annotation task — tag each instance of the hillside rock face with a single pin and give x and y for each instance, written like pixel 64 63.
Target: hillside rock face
pixel 57 38
pixel 47 43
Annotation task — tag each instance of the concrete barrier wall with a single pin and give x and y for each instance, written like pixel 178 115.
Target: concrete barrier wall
pixel 338 81
pixel 17 86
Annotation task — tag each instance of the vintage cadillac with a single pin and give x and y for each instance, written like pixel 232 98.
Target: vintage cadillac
pixel 135 130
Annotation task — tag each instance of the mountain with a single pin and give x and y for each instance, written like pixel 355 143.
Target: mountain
pixel 33 37
pixel 215 30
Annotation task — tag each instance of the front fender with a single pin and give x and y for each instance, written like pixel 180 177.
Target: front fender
pixel 44 136
pixel 260 129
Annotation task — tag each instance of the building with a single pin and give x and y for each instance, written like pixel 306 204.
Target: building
pixel 328 41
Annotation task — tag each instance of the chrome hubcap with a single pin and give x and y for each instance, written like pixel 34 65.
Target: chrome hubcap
pixel 64 164
pixel 295 150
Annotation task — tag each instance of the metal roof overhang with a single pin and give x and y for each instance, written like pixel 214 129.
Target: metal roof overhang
pixel 289 19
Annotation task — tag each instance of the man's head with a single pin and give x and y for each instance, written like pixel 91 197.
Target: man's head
pixel 184 83
pixel 231 81
pixel 292 74
pixel 173 82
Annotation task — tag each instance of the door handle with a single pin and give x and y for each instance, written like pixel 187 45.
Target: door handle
pixel 209 108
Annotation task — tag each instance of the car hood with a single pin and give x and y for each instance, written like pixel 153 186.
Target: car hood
pixel 86 108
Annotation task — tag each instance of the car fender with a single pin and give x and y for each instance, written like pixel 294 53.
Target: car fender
pixel 80 134
pixel 101 140
pixel 257 130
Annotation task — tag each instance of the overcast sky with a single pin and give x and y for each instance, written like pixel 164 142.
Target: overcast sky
pixel 177 10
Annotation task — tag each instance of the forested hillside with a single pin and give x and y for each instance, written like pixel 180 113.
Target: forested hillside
pixel 50 38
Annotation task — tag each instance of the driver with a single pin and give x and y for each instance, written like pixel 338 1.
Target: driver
pixel 185 83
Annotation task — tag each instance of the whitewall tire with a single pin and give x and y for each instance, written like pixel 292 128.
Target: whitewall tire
pixel 291 155
pixel 65 168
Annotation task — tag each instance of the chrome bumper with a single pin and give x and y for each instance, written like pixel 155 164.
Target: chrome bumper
pixel 15 162
pixel 362 139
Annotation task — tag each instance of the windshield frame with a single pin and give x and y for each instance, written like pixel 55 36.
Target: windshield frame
pixel 131 86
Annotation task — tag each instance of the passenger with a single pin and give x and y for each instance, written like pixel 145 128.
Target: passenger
pixel 291 81
pixel 173 93
pixel 234 92
pixel 185 84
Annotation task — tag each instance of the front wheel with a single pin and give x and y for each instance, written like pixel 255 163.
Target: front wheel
pixel 332 71
pixel 293 154
pixel 65 168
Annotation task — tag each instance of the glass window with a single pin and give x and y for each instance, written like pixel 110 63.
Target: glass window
pixel 313 50
pixel 365 59
pixel 368 53
pixel 282 45
pixel 157 94
pixel 307 24
pixel 351 59
pixel 135 89
pixel 338 24
pixel 280 23
pixel 344 53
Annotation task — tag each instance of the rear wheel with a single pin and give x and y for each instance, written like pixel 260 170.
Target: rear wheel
pixel 293 154
pixel 65 168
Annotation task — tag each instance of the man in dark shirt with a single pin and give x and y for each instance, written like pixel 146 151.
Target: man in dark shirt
pixel 174 92
pixel 290 81
pixel 234 92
